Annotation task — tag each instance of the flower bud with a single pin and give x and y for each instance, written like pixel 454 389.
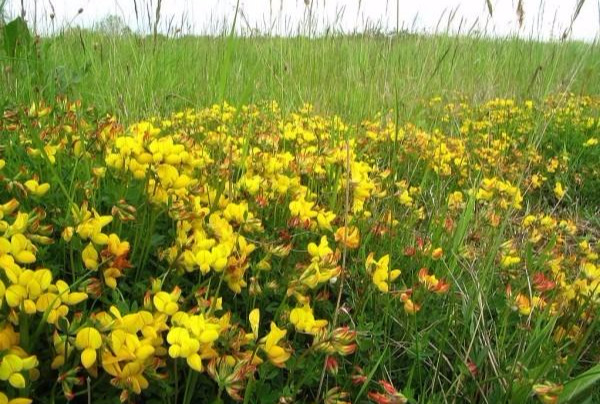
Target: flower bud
pixel 332 365
pixel 67 233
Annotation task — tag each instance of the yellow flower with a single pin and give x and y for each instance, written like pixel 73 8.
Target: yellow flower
pixel 12 365
pixel 15 294
pixel 455 200
pixel 192 337
pixel 22 249
pixel 254 318
pixel 37 189
pixel 509 260
pixel 88 340
pixel 484 194
pixel 536 180
pixel 111 275
pixel 552 165
pixel 431 282
pixel 303 319
pixel 8 337
pixel 251 183
pixel 67 233
pixel 116 246
pixel 133 375
pixel 314 275
pixel 302 209
pixel 406 199
pixel 591 271
pixel 437 253
pixel 20 400
pixel 220 254
pixel 237 212
pixel 324 219
pixel 167 302
pixel 410 307
pixel 277 354
pixel 10 206
pixel 559 191
pixel 182 345
pixel 127 346
pixel 90 257
pixel 548 392
pixel 91 228
pixel 282 184
pixel 99 171
pixel 382 276
pixel 21 221
pixel 529 220
pixel 5 246
pixel 68 297
pixel 348 236
pixel 204 259
pixel 525 306
pixel 320 251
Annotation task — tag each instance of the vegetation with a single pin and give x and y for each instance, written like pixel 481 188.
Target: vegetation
pixel 356 76
pixel 341 219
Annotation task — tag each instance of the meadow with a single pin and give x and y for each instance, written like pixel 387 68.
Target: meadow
pixel 362 218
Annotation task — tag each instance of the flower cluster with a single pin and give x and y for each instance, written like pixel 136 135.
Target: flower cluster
pixel 255 248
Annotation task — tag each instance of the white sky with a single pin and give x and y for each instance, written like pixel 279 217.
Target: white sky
pixel 544 19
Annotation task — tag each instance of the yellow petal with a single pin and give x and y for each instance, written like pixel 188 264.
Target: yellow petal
pixel 29 306
pixel 254 318
pixel 17 380
pixel 88 357
pixel 144 352
pixel 88 337
pixel 75 298
pixel 24 257
pixel 195 362
pixel 14 295
pixel 90 257
pixel 20 400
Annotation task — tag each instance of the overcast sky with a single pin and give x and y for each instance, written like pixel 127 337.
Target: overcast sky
pixel 545 19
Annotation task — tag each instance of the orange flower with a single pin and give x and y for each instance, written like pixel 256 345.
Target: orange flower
pixel 542 283
pixel 348 236
pixel 389 396
pixel 437 253
pixel 432 283
pixel 525 306
pixel 547 392
pixel 410 307
pixel 332 365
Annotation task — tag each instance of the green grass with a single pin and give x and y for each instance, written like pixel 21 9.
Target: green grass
pixel 427 356
pixel 354 76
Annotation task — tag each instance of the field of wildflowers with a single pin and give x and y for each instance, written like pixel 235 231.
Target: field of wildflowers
pixel 254 255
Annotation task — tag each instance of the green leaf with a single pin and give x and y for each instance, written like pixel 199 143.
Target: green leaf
pixel 574 390
pixel 17 37
pixel 249 390
pixel 371 374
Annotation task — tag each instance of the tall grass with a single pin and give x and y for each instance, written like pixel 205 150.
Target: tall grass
pixel 357 76
pixel 351 75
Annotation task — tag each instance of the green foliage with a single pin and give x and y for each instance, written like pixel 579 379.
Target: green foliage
pixel 17 39
pixel 469 344
pixel 575 390
pixel 2 8
pixel 355 75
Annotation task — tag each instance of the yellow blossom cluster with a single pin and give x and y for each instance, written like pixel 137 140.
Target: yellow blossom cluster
pixel 234 241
